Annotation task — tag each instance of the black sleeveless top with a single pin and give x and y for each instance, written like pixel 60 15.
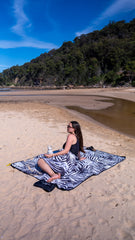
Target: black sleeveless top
pixel 74 147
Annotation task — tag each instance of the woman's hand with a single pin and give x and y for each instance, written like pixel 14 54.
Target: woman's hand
pixel 49 155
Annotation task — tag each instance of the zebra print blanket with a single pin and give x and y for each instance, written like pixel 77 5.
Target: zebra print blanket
pixel 73 171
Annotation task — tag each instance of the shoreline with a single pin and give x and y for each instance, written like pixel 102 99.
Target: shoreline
pixel 124 93
pixel 89 100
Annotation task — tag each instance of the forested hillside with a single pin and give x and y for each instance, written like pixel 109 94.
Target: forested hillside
pixel 105 57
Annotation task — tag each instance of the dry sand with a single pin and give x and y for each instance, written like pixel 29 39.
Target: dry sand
pixel 101 208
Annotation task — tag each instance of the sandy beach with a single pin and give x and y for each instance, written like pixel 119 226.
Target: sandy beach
pixel 101 208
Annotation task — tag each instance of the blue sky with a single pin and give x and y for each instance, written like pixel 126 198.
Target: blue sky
pixel 31 27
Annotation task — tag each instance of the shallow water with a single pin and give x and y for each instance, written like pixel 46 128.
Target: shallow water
pixel 120 116
pixel 4 89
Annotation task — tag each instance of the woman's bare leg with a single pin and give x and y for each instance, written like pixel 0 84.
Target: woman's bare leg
pixel 55 176
pixel 46 168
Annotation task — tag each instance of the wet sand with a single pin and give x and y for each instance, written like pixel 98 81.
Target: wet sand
pixel 102 207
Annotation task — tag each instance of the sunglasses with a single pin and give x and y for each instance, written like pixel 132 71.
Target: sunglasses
pixel 68 126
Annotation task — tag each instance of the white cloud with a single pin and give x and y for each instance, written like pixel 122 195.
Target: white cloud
pixel 3 67
pixel 22 23
pixel 27 43
pixel 117 7
pixel 22 20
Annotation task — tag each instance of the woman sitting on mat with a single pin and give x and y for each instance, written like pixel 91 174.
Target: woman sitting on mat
pixel 55 166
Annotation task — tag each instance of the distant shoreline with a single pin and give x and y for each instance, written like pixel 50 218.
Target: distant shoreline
pixel 11 88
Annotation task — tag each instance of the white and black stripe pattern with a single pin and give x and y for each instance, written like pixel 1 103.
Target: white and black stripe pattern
pixel 73 171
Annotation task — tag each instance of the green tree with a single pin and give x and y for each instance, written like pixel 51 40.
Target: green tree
pixel 130 71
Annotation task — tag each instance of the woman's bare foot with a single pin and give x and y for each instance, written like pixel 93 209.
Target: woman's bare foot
pixel 55 176
pixel 82 158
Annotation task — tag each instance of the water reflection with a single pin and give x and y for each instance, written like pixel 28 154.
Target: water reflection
pixel 4 89
pixel 120 116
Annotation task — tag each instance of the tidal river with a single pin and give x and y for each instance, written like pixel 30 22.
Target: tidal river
pixel 120 116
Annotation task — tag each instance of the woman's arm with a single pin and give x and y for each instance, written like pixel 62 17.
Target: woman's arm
pixel 69 142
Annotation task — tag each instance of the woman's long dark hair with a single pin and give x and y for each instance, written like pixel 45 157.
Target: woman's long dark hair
pixel 78 134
